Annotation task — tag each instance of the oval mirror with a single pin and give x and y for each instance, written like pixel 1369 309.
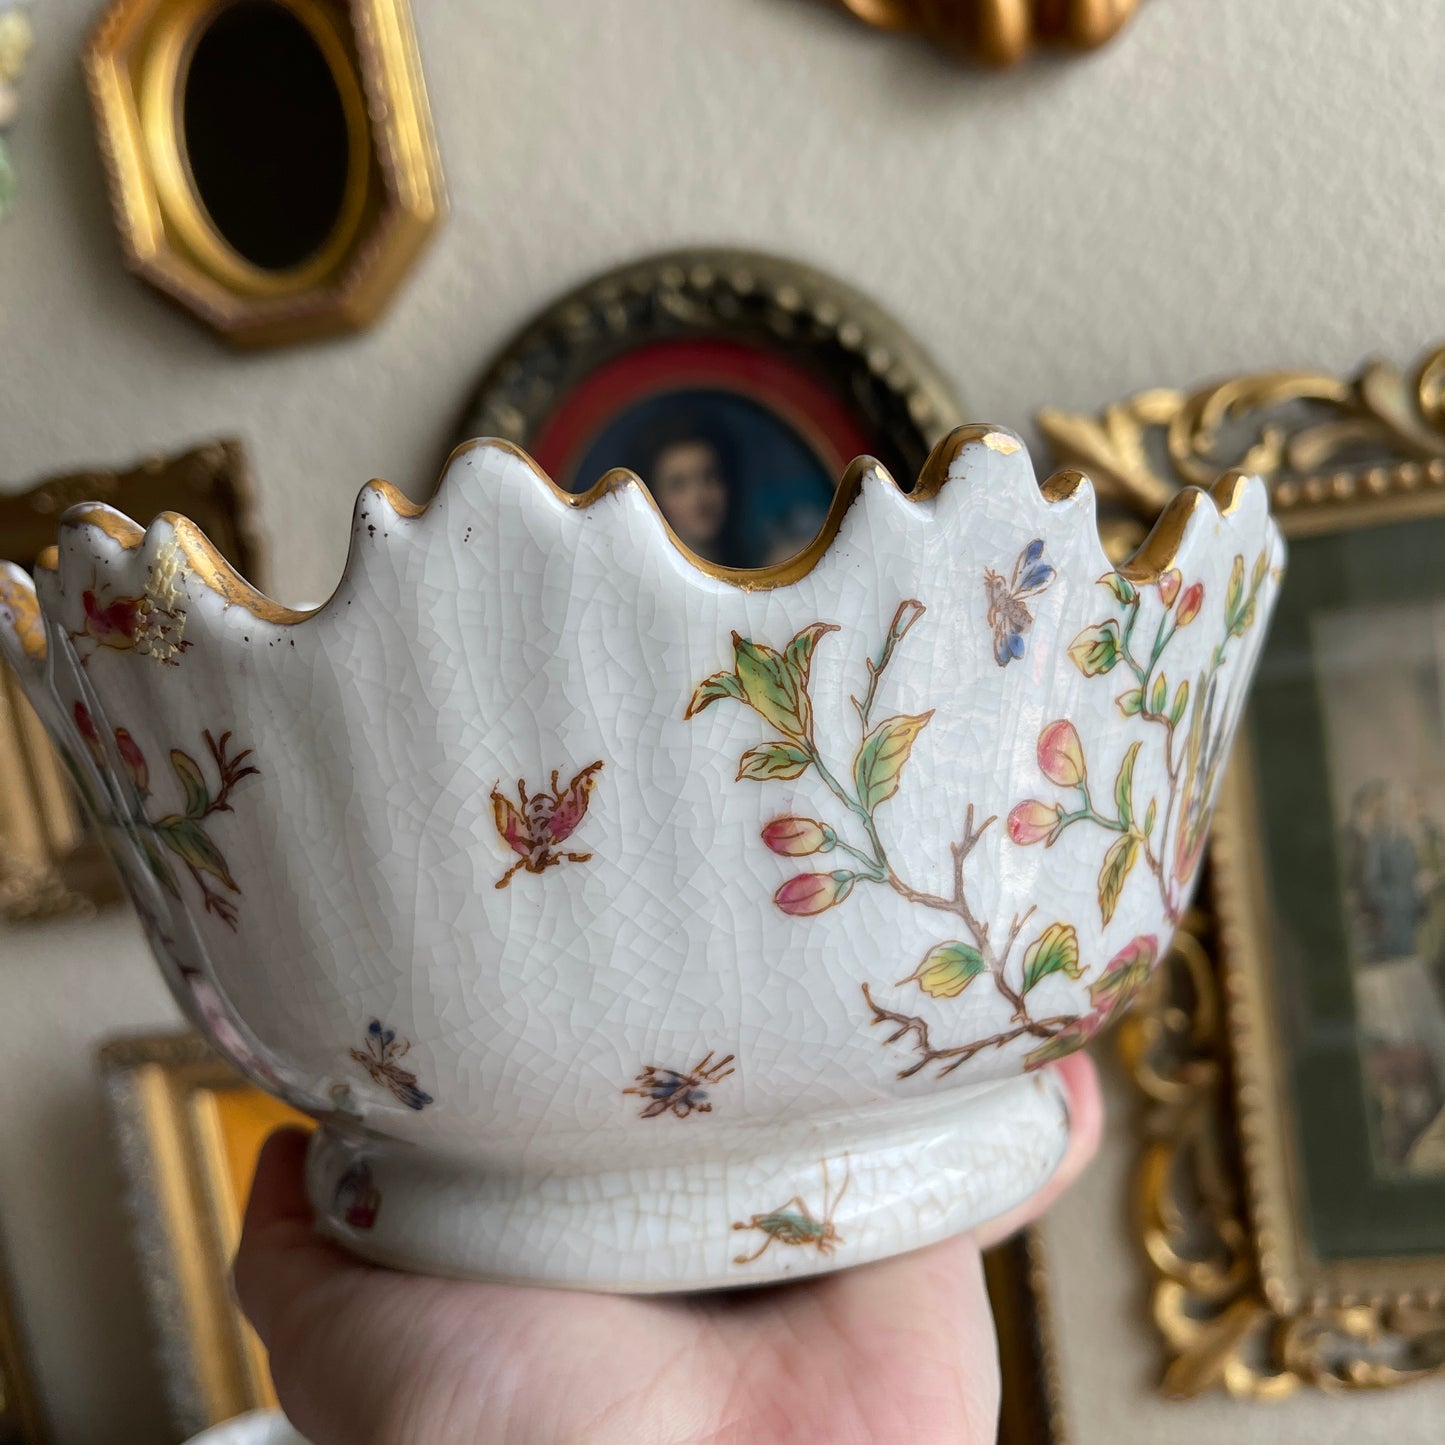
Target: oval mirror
pixel 265 133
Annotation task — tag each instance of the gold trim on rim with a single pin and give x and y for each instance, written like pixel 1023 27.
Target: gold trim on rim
pixel 1154 556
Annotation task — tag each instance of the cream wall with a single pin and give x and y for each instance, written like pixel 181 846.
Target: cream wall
pixel 1235 184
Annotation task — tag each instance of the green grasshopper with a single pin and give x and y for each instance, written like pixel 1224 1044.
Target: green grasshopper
pixel 794 1224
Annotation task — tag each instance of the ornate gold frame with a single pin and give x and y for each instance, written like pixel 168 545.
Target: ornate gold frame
pixel 188 1127
pixel 48 863
pixel 392 201
pixel 1238 1297
pixel 1000 32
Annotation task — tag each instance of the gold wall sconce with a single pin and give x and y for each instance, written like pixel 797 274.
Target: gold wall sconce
pixel 272 164
pixel 1000 32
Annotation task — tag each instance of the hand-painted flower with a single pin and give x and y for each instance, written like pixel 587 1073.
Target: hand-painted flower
pixel 796 837
pixel 1189 605
pixel 1061 756
pixel 134 760
pixel 1169 585
pixel 1034 822
pixel 813 892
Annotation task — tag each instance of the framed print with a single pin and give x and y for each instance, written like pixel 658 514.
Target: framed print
pixel 737 386
pixel 48 863
pixel 189 1130
pixel 1330 885
pixel 1292 1186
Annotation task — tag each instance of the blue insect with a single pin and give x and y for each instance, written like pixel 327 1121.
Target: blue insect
pixel 1008 613
pixel 380 1060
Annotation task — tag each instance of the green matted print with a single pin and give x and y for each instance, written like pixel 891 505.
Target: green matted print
pixel 1346 754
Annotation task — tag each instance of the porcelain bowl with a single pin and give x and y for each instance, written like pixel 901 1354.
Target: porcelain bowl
pixel 632 923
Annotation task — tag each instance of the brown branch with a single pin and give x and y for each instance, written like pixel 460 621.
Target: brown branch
pixel 231 771
pixel 959 1054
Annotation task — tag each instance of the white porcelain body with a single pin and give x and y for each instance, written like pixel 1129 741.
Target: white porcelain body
pixel 258 1427
pixel 480 1053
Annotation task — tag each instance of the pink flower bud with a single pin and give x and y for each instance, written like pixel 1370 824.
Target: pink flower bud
pixel 133 758
pixel 1060 756
pixel 795 837
pixel 1033 822
pixel 813 892
pixel 1189 605
pixel 1169 585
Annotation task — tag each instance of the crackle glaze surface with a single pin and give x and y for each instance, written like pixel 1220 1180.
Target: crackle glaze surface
pixel 630 927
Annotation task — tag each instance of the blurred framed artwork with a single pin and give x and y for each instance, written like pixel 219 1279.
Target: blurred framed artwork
pixel 1292 1186
pixel 50 865
pixel 738 386
pixel 1330 881
pixel 189 1129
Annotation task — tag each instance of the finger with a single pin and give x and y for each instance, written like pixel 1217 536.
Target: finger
pixel 930 1308
pixel 1086 1126
pixel 280 1257
pixel 278 1188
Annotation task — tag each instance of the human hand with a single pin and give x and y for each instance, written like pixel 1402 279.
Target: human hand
pixel 898 1351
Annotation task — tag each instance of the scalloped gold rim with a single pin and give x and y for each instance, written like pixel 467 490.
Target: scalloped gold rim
pixel 1155 555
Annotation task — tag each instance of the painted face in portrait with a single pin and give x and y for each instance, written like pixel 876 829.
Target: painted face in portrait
pixel 689 482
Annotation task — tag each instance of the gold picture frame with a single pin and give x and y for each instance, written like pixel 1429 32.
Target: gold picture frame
pixel 390 198
pixel 1240 1295
pixel 49 863
pixel 189 1128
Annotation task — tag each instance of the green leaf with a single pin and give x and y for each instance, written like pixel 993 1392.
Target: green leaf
pixel 1149 816
pixel 1117 863
pixel 1124 786
pixel 1158 695
pixel 1068 1040
pixel 1131 702
pixel 1234 597
pixel 1055 950
pixel 771 688
pixel 198 795
pixel 1096 649
pixel 1181 701
pixel 187 840
pixel 710 689
pixel 773 760
pixel 1261 566
pixel 881 756
pixel 1121 587
pixel 799 655
pixel 947 970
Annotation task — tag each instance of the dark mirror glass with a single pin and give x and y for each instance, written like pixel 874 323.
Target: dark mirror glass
pixel 265 134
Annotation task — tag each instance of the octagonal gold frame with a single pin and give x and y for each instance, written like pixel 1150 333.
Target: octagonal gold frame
pixel 135 64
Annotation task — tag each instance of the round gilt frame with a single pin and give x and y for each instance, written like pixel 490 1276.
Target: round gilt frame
pixel 794 311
